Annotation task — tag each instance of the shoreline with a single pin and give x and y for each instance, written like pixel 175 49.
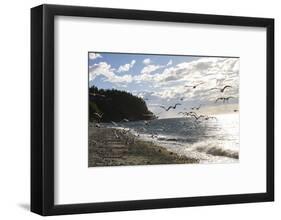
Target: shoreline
pixel 115 147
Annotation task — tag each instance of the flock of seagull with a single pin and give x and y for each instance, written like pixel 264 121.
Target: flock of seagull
pixel 189 114
pixel 192 113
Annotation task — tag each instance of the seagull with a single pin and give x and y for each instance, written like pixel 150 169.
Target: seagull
pixel 167 109
pixel 210 117
pixel 98 115
pixel 182 98
pixel 97 125
pixel 196 108
pixel 187 113
pixel 197 117
pixel 222 89
pixel 194 86
pixel 235 110
pixel 125 131
pixel 191 113
pixel 229 97
pixel 116 135
pixel 224 99
pixel 114 123
pixel 182 113
pixel 154 135
pixel 125 120
pixel 146 122
pixel 221 98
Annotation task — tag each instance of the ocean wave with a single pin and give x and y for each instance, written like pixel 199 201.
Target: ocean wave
pixel 176 139
pixel 217 151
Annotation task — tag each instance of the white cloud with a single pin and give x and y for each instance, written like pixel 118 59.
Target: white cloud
pixel 167 85
pixel 126 67
pixel 94 56
pixel 105 69
pixel 150 68
pixel 146 61
pixel 214 72
pixel 201 69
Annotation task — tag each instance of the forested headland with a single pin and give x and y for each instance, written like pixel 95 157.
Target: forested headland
pixel 115 105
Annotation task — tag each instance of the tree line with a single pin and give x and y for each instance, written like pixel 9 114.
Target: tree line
pixel 115 105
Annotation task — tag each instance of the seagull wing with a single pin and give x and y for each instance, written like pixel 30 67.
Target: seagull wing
pixel 218 99
pixel 200 116
pixel 176 105
pixel 193 116
pixel 214 118
pixel 114 123
pixel 169 108
pixel 199 84
pixel 229 97
pixel 99 115
pixel 226 87
pixel 214 88
pixel 191 113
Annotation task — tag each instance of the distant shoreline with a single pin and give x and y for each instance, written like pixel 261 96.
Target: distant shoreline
pixel 114 147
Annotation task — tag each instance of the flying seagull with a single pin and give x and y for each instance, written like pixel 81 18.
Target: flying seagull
pixel 125 120
pixel 114 123
pixel 98 115
pixel 196 108
pixel 146 122
pixel 116 135
pixel 188 113
pixel 210 117
pixel 167 109
pixel 197 117
pixel 191 113
pixel 194 86
pixel 224 99
pixel 154 135
pixel 125 131
pixel 222 89
pixel 182 113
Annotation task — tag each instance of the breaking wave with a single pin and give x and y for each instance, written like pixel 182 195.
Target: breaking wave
pixel 217 151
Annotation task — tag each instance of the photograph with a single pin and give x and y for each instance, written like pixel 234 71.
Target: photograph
pixel 136 109
pixel 147 109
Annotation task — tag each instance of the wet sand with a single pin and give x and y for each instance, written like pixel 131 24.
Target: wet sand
pixel 115 147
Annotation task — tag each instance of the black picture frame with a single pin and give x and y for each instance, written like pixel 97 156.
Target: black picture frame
pixel 42 109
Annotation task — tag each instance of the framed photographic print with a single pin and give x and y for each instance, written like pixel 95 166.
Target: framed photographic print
pixel 136 109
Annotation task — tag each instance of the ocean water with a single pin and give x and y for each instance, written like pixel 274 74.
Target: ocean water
pixel 210 141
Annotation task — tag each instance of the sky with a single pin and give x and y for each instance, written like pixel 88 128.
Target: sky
pixel 168 79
